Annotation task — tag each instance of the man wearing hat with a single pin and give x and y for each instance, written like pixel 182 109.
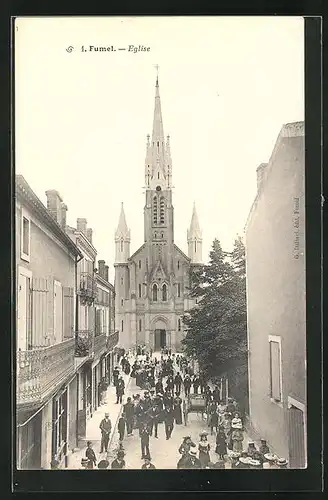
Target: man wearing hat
pixel 105 427
pixel 148 465
pixel 169 421
pixel 119 462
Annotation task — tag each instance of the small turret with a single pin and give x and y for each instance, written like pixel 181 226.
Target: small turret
pixel 194 238
pixel 122 239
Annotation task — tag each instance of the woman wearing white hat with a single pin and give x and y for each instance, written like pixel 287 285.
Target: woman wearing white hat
pixel 282 463
pixel 204 450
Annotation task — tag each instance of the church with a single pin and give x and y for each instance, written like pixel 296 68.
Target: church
pixel 152 284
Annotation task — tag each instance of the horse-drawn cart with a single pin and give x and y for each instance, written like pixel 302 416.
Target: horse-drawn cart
pixel 196 403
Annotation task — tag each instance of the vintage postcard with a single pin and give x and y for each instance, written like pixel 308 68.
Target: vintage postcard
pixel 160 243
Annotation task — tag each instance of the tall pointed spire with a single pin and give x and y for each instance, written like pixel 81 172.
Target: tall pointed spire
pixel 122 228
pixel 158 158
pixel 194 230
pixel 122 239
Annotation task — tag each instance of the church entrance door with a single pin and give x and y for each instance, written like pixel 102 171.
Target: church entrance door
pixel 160 339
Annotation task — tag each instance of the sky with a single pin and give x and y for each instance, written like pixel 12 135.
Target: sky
pixel 227 85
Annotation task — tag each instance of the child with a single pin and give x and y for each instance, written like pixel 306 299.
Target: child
pixel 264 449
pixel 121 427
pixel 237 437
pixel 90 455
pixel 221 445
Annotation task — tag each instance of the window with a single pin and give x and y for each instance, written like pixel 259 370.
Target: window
pixel 179 325
pixel 139 264
pixel 178 264
pixel 139 325
pixel 195 246
pixel 122 325
pixel 164 293
pixel 179 290
pixel 275 368
pixel 157 144
pixel 155 292
pixel 155 207
pixel 25 238
pixel 122 302
pixel 122 245
pixel 157 175
pixel 121 281
pixel 59 430
pixel 139 290
pixel 162 209
pixel 162 234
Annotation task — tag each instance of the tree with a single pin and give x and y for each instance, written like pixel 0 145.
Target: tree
pixel 216 327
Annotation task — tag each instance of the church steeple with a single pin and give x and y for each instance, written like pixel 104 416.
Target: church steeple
pixel 122 239
pixel 158 157
pixel 194 238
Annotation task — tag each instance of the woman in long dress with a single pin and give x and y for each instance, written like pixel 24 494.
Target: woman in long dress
pixel 177 409
pixel 221 444
pixel 204 450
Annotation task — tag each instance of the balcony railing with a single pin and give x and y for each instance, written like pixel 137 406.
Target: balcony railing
pixel 112 340
pixel 84 343
pixel 88 286
pixel 89 344
pixel 41 370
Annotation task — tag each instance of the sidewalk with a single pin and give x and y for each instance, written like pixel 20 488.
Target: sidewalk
pixel 92 427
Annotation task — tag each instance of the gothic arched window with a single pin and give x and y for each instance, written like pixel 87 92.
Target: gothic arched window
pixel 155 293
pixel 139 325
pixel 179 289
pixel 195 246
pixel 155 208
pixel 122 245
pixel 162 210
pixel 179 324
pixel 139 290
pixel 178 264
pixel 164 293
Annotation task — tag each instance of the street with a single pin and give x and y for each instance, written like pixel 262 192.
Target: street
pixel 164 453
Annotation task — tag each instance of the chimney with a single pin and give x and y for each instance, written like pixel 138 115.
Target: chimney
pixel 89 234
pixel 101 268
pixel 260 173
pixel 63 215
pixel 54 201
pixel 106 272
pixel 81 225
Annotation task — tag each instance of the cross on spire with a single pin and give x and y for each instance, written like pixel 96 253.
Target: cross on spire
pixel 157 68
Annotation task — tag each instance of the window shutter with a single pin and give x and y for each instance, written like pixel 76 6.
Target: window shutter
pixel 98 321
pixel 275 370
pixel 68 312
pixel 40 302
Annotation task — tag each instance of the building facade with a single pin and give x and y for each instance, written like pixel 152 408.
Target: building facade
pixel 60 354
pixel 94 339
pixel 151 285
pixel 45 341
pixel 275 264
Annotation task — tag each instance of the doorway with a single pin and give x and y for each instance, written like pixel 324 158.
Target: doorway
pixel 160 339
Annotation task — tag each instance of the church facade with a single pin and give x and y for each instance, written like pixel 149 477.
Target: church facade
pixel 152 284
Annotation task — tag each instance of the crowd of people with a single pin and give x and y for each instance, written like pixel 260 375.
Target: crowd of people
pixel 167 384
